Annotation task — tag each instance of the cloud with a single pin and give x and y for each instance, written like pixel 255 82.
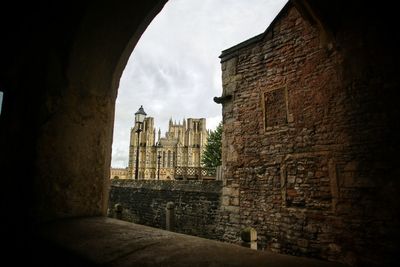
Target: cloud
pixel 212 122
pixel 175 71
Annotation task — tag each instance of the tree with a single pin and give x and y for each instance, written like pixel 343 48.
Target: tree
pixel 212 153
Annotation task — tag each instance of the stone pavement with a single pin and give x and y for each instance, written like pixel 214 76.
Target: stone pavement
pixel 104 241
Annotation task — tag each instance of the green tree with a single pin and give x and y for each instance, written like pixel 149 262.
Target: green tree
pixel 212 152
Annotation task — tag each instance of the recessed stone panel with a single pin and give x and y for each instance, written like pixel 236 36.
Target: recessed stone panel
pixel 275 107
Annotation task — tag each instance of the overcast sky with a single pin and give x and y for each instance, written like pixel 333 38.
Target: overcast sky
pixel 175 72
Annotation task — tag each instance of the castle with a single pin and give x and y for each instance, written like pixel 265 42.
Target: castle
pixel 182 146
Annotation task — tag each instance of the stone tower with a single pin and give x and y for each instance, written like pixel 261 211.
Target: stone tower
pixel 146 147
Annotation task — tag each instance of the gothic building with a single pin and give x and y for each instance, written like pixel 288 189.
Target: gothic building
pixel 118 173
pixel 182 146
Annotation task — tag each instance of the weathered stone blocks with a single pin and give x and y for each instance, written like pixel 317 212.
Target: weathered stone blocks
pixel 191 206
pixel 303 139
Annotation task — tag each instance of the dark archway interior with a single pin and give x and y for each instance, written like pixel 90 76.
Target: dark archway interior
pixel 60 64
pixel 60 84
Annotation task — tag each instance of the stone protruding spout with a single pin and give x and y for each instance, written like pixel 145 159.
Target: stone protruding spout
pixel 222 99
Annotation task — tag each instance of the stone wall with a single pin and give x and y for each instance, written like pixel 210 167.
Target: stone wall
pixel 144 202
pixel 304 143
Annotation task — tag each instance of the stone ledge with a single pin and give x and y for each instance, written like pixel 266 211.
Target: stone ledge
pixel 108 242
pixel 172 185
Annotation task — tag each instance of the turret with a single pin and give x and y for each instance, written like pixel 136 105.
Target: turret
pixel 154 136
pixel 190 124
pixel 203 127
pixel 180 136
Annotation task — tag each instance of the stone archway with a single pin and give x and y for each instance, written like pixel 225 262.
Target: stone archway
pixel 60 95
pixel 102 45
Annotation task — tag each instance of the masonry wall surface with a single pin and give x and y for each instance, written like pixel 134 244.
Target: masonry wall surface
pixel 308 141
pixel 144 201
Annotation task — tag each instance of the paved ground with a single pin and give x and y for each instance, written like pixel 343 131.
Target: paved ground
pixel 108 242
